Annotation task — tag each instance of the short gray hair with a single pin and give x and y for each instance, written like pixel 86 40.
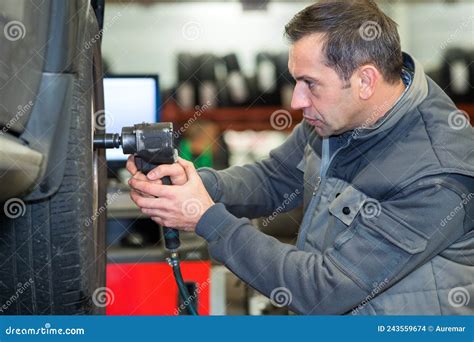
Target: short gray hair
pixel 356 32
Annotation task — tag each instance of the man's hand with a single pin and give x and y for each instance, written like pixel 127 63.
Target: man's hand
pixel 174 171
pixel 180 205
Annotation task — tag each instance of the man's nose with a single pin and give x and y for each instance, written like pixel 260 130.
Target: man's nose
pixel 300 99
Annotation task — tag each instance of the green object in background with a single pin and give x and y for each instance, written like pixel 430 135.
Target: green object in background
pixel 203 160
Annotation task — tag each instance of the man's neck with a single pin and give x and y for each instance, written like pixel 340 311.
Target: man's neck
pixel 384 100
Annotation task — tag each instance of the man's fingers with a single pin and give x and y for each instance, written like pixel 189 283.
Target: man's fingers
pixel 189 168
pixel 142 177
pixel 140 200
pixel 131 167
pixel 139 176
pixel 148 202
pixel 164 222
pixel 174 171
pixel 158 220
pixel 150 188
pixel 154 212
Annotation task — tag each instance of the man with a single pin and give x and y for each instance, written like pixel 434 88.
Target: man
pixel 385 170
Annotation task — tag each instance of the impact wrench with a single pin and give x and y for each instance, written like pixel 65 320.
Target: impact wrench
pixel 152 145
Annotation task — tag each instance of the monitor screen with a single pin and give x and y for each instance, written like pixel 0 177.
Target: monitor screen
pixel 129 100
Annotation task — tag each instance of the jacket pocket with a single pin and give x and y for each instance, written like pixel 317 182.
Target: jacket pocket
pixel 400 234
pixel 347 204
pixel 375 249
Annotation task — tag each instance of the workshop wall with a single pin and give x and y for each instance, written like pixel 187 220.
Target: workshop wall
pixel 146 38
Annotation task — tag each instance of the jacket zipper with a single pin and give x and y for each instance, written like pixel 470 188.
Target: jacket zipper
pixel 336 152
pixel 312 204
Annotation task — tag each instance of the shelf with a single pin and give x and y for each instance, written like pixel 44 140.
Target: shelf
pixel 238 118
pixel 254 118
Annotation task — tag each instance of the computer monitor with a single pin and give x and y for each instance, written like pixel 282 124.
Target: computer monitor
pixel 129 99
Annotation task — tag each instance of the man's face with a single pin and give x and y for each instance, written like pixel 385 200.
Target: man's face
pixel 330 104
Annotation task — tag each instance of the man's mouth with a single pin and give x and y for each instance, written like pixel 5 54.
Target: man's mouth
pixel 312 121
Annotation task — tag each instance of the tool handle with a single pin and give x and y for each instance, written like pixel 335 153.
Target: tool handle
pixel 171 235
pixel 144 166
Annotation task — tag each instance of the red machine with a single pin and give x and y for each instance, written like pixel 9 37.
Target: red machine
pixel 141 287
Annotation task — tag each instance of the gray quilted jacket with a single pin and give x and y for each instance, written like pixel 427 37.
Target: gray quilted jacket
pixel 389 213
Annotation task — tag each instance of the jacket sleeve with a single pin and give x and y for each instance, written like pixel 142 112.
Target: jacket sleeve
pixel 407 231
pixel 255 190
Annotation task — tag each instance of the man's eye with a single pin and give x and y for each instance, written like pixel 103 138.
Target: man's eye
pixel 310 84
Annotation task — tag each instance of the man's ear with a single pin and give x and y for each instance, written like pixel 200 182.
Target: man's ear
pixel 368 76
